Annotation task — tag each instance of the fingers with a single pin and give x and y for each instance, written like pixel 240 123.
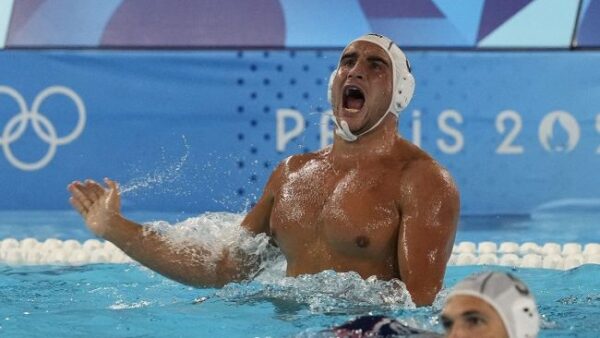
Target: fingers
pixel 82 195
pixel 78 206
pixel 114 188
pixel 85 194
pixel 111 184
pixel 96 190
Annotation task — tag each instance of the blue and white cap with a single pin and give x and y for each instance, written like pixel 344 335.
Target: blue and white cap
pixel 403 83
pixel 509 296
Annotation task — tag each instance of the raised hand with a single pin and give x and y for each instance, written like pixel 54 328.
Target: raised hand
pixel 99 206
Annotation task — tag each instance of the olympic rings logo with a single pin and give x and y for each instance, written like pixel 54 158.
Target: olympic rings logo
pixel 42 126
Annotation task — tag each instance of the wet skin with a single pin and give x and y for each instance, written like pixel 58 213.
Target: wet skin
pixel 378 206
pixel 470 317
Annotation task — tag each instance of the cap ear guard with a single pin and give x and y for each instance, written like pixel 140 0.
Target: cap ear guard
pixel 405 87
pixel 526 318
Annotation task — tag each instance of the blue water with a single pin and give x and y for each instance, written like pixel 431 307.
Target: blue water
pixel 131 301
pixel 126 301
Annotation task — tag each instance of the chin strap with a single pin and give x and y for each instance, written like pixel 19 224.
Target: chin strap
pixel 342 130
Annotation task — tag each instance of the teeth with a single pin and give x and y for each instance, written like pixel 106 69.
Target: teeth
pixel 348 89
pixel 352 110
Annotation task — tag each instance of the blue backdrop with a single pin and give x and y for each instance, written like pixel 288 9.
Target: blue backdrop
pixel 197 131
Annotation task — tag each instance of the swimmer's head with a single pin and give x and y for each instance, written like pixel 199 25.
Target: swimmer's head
pixel 473 299
pixel 402 85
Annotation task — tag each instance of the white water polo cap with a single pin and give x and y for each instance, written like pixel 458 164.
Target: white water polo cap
pixel 509 296
pixel 403 83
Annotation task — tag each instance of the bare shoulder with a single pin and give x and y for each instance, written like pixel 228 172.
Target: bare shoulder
pixel 296 162
pixel 423 170
pixel 429 196
pixel 421 175
pixel 293 164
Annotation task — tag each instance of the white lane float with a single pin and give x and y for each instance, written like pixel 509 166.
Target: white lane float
pixel 52 251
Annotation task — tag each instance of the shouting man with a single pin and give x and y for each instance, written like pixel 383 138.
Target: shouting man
pixel 372 203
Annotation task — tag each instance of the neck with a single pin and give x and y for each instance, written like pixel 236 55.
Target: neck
pixel 376 143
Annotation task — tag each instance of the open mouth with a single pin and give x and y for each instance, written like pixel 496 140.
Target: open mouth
pixel 354 99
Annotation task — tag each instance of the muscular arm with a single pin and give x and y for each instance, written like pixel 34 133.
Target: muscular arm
pixel 100 208
pixel 186 265
pixel 430 209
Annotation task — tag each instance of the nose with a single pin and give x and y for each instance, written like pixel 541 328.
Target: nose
pixel 357 71
pixel 456 332
pixel 452 334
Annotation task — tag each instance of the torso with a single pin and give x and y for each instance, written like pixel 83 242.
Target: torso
pixel 343 218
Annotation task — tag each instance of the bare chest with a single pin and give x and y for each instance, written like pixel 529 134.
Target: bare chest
pixel 351 213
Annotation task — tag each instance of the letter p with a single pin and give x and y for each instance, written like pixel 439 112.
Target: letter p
pixel 283 136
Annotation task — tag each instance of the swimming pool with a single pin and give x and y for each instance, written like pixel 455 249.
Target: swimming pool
pixel 124 300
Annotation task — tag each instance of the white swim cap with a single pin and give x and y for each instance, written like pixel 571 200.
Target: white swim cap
pixel 509 296
pixel 403 83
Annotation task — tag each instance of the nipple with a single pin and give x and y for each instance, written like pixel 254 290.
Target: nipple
pixel 362 241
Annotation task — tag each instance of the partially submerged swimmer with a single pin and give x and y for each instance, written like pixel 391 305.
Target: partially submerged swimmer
pixel 378 326
pixel 491 304
pixel 371 203
pixel 485 305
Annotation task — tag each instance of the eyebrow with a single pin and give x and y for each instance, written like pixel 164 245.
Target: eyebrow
pixel 377 58
pixel 353 55
pixel 349 55
pixel 472 313
pixel 464 314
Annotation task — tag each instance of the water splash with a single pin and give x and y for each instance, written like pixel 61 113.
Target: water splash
pixel 325 292
pixel 158 176
pixel 215 232
pixel 121 305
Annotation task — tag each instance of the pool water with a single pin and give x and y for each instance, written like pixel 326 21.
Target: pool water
pixel 127 300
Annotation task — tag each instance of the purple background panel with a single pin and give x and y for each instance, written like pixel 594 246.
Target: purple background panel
pixel 196 23
pixel 420 32
pixel 61 23
pixel 496 12
pixel 22 11
pixel 588 34
pixel 285 23
pixel 400 9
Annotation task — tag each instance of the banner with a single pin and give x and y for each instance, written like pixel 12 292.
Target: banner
pixel 307 23
pixel 199 131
